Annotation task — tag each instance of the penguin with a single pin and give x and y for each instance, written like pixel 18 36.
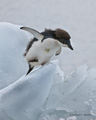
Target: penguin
pixel 44 45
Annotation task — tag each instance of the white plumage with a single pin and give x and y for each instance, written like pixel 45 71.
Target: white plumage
pixel 43 51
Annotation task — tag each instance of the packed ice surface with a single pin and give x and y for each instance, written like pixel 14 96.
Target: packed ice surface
pixel 12 45
pixel 76 96
pixel 24 98
pixel 45 94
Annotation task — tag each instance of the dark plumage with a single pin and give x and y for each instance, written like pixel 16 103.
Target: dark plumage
pixel 62 34
pixel 29 45
pixel 48 33
pixel 57 34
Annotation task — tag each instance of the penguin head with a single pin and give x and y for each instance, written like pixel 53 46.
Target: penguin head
pixel 64 38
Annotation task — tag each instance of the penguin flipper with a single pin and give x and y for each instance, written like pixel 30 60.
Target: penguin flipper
pixel 36 34
pixel 58 51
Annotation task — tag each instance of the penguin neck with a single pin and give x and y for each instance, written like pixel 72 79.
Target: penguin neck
pixel 48 34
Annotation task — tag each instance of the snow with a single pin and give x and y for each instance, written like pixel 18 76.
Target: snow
pixel 68 98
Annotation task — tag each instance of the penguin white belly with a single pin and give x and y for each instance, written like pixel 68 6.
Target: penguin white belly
pixel 42 51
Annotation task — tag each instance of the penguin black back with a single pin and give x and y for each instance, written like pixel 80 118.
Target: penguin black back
pixel 48 33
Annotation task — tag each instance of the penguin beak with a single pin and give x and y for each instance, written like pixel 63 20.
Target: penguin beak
pixel 69 45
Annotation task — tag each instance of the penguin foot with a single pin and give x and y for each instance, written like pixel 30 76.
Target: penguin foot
pixel 29 70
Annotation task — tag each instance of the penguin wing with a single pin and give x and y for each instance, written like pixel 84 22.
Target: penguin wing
pixel 35 33
pixel 58 51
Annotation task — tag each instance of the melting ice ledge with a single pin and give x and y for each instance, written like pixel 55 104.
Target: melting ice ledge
pixel 45 94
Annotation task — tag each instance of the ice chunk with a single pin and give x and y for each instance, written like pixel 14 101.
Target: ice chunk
pixel 60 91
pixel 59 76
pixel 76 95
pixel 80 90
pixel 24 98
pixel 12 46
